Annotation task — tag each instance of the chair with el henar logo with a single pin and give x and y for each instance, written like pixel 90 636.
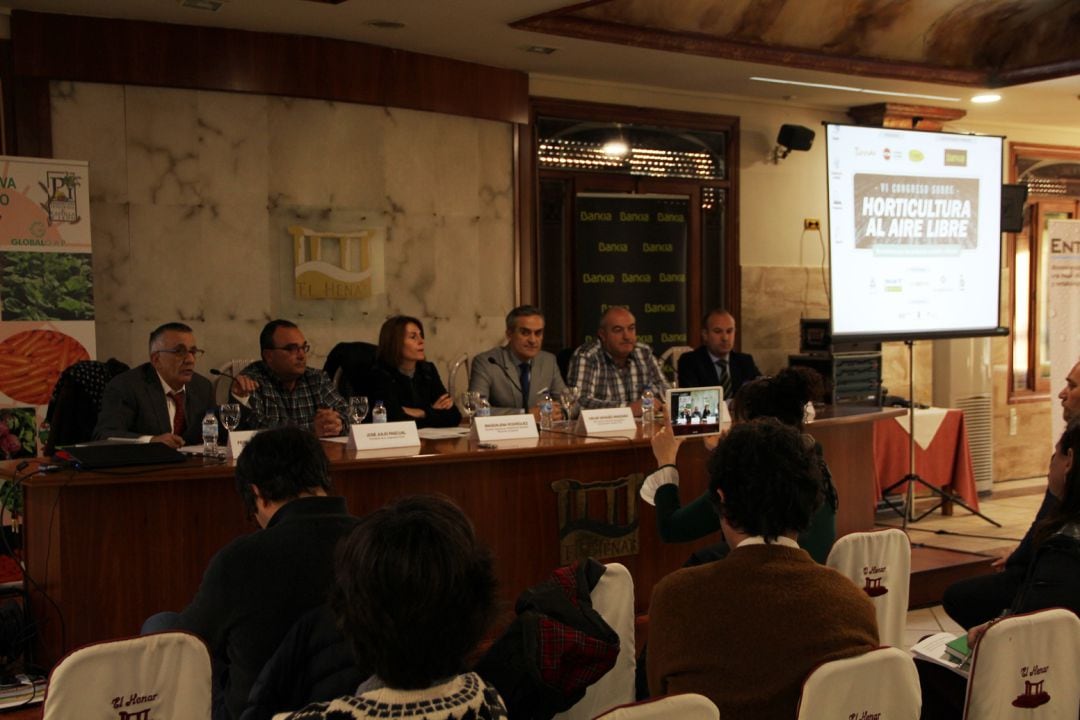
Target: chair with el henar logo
pixel 882 683
pixel 880 564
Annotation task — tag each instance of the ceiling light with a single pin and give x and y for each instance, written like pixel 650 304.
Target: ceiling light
pixel 847 88
pixel 385 24
pixel 615 148
pixel 539 49
pixel 986 98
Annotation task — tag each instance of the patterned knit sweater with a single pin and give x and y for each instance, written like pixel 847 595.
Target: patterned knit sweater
pixel 746 630
pixel 464 697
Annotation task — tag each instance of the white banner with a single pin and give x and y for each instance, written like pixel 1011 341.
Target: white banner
pixel 1064 306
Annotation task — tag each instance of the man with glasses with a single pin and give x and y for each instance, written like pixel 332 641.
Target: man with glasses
pixel 163 400
pixel 282 390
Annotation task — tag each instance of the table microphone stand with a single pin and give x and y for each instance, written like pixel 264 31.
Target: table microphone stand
pixel 912 478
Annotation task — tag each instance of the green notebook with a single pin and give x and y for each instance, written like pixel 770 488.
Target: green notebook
pixel 958 649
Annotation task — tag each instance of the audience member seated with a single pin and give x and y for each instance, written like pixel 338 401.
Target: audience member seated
pixel 715 362
pixel 976 600
pixel 784 397
pixel 257 586
pixel 163 400
pixel 1050 576
pixel 415 593
pixel 512 376
pixel 744 631
pixel 408 385
pixel 282 390
pixel 614 369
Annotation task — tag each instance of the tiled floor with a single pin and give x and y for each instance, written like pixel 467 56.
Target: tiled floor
pixel 1013 504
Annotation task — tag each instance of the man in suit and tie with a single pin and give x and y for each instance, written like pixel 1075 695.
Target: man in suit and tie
pixel 715 363
pixel 163 400
pixel 513 375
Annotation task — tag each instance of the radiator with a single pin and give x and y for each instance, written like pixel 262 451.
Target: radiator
pixel 978 419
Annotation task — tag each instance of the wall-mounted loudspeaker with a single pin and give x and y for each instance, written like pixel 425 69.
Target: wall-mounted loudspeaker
pixel 795 137
pixel 1013 198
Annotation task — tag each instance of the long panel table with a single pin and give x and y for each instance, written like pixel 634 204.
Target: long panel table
pixel 111 548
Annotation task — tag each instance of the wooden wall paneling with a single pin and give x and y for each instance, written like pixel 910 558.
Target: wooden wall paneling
pixel 106 50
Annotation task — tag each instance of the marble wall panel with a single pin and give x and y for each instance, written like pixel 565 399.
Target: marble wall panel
pixel 193 193
pixel 1026 453
pixel 89 123
pixel 326 154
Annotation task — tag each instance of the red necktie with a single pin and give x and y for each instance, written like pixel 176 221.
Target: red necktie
pixel 179 420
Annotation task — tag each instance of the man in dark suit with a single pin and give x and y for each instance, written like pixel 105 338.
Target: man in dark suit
pixel 163 400
pixel 503 373
pixel 715 363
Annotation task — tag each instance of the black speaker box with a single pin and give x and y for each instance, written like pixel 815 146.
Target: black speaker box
pixel 1013 198
pixel 795 137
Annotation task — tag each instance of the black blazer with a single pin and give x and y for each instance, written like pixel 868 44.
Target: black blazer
pixel 399 391
pixel 134 405
pixel 696 369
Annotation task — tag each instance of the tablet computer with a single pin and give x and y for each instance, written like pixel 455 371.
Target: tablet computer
pixel 697 411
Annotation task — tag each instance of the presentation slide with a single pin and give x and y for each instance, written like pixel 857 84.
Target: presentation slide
pixel 914 232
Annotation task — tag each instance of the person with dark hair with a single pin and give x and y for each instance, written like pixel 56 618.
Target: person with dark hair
pixel 744 631
pixel 783 396
pixel 716 362
pixel 977 600
pixel 281 389
pixel 258 585
pixel 414 592
pixel 1045 575
pixel 513 375
pixel 614 369
pixel 406 383
pixel 163 400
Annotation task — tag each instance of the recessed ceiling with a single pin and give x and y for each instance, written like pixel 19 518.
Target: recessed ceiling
pixel 483 31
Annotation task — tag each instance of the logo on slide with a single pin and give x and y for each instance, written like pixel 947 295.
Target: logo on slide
pixel 956 158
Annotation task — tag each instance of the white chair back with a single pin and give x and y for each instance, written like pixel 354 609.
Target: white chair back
pixel 671 357
pixel 222 383
pixel 164 675
pixel 880 564
pixel 882 683
pixel 613 599
pixel 1025 667
pixel 687 706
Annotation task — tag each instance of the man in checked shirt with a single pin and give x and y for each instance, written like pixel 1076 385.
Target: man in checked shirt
pixel 614 369
pixel 283 390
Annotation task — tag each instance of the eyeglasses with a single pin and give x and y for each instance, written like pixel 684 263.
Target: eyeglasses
pixel 293 348
pixel 183 351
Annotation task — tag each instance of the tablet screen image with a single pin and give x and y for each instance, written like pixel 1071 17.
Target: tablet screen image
pixel 697 411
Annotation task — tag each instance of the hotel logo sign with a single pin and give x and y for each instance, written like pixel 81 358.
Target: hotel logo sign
pixel 598 519
pixel 337 265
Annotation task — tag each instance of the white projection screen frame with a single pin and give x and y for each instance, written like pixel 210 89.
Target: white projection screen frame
pixel 914 233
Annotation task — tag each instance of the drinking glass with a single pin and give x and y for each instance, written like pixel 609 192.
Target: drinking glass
pixel 358 408
pixel 230 416
pixel 569 399
pixel 469 401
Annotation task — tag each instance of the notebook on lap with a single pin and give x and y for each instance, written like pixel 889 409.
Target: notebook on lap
pixel 109 455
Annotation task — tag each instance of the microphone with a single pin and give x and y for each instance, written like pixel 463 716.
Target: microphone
pixel 215 371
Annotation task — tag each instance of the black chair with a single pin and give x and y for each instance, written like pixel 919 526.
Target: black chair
pixel 356 361
pixel 76 401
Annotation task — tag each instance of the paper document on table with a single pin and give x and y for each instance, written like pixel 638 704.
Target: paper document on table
pixel 934 649
pixel 442 433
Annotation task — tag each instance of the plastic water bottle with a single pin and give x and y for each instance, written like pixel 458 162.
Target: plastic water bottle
pixel 209 433
pixel 483 409
pixel 546 408
pixel 647 407
pixel 378 415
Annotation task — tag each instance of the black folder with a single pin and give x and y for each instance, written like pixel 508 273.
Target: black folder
pixel 109 455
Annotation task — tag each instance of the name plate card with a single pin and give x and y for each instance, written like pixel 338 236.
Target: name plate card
pixel 505 427
pixel 379 436
pixel 608 420
pixel 238 440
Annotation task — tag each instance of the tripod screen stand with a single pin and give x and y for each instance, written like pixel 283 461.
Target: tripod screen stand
pixel 907 513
